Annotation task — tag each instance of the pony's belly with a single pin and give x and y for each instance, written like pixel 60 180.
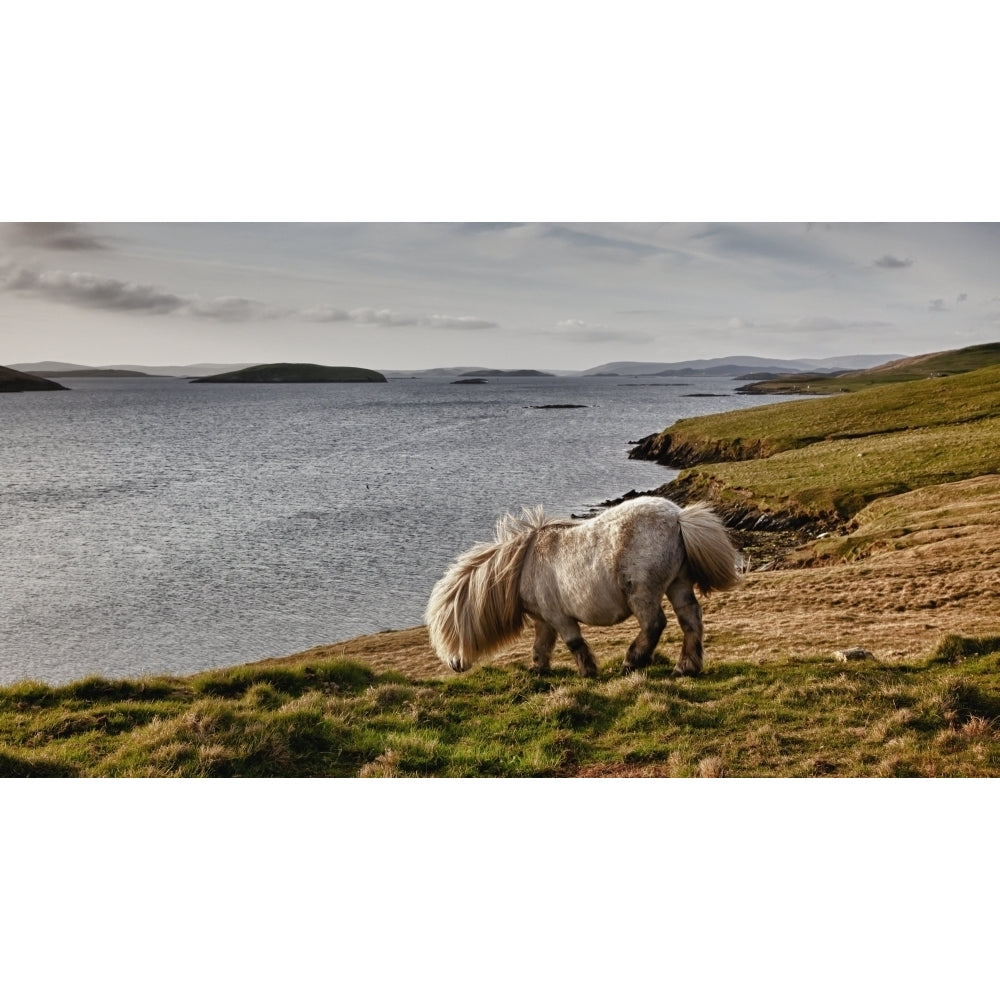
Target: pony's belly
pixel 600 609
pixel 587 608
pixel 608 618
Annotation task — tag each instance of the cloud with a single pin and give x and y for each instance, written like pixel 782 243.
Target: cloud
pixel 97 292
pixel 382 317
pixel 93 291
pixel 593 241
pixel 458 322
pixel 888 260
pixel 234 309
pixel 51 236
pixel 389 317
pixel 612 337
pixel 594 333
pixel 487 227
pixel 795 246
pixel 803 324
pixel 819 324
pixel 82 288
pixel 325 314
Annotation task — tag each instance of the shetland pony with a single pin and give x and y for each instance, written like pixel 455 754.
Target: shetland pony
pixel 599 571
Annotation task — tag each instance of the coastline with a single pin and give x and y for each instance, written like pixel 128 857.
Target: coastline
pixel 912 583
pixel 806 564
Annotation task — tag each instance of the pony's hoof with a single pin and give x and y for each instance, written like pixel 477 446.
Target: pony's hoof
pixel 685 670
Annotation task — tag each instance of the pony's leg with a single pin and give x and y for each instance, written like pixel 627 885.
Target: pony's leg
pixel 652 622
pixel 545 640
pixel 569 632
pixel 681 596
pixel 583 655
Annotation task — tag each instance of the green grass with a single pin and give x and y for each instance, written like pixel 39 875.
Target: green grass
pixel 837 479
pixel 830 457
pixel 341 719
pixel 766 430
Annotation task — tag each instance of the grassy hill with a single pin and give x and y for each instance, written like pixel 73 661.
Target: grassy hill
pixel 831 456
pixel 296 373
pixel 936 365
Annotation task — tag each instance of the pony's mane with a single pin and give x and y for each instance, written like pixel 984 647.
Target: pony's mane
pixel 475 607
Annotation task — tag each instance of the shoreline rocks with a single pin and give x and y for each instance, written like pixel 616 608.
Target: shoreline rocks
pixel 681 453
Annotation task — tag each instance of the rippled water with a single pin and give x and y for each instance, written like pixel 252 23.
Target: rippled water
pixel 155 526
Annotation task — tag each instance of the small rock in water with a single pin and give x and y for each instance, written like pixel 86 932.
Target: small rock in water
pixel 854 653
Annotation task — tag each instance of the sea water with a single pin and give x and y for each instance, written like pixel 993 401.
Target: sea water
pixel 155 526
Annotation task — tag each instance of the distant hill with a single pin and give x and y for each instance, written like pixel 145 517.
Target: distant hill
pixel 12 380
pixel 719 371
pixel 89 373
pixel 48 366
pixel 936 365
pixel 295 373
pixel 741 364
pixel 737 366
pixel 507 373
pixel 183 371
pixel 464 371
pixel 191 371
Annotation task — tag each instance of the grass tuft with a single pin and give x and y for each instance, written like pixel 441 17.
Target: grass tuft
pixel 341 718
pixel 711 767
pixel 955 648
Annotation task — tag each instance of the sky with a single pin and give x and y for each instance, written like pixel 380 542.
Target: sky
pixel 368 122
pixel 549 295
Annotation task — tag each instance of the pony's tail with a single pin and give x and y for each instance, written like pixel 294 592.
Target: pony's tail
pixel 712 560
pixel 475 608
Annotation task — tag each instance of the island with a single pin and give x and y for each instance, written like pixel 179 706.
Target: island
pixel 295 373
pixel 12 380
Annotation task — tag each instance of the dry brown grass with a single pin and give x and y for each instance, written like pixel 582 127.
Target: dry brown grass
pixel 918 567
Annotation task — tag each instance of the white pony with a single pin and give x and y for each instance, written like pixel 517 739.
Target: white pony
pixel 599 572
